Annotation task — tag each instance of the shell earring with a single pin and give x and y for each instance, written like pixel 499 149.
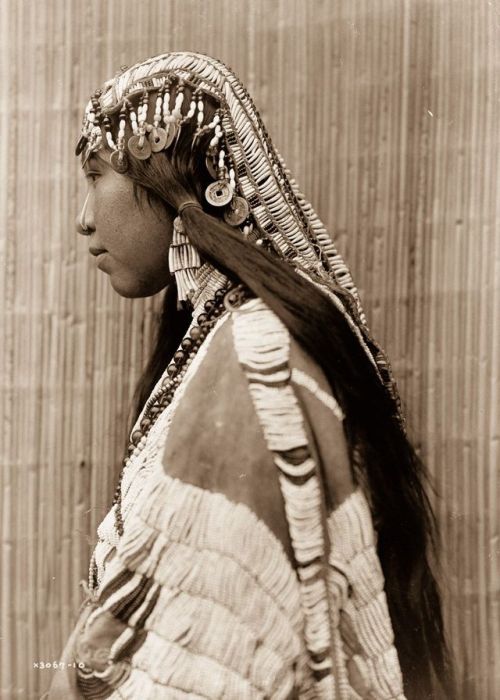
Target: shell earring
pixel 183 261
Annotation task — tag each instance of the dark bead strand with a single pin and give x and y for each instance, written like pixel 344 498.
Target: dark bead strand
pixel 175 371
pixel 179 358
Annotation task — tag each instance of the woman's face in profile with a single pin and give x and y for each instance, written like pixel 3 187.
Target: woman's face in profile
pixel 130 240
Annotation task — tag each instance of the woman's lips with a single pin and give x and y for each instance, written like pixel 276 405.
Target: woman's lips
pixel 101 258
pixel 96 251
pixel 99 254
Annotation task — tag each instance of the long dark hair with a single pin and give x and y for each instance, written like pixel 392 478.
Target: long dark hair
pixel 395 475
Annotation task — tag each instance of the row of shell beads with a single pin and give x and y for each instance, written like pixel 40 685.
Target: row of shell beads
pixel 119 159
pixel 107 131
pixel 166 105
pixel 191 110
pixel 179 100
pixel 201 114
pixel 138 145
pixel 133 119
pixel 158 136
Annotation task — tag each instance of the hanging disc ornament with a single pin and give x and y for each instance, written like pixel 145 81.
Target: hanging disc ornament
pixel 237 212
pixel 135 149
pixel 218 193
pixel 209 162
pixel 158 139
pixel 119 161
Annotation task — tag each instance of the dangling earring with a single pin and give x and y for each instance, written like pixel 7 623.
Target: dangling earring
pixel 183 261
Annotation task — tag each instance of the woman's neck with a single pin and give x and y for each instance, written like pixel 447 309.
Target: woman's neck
pixel 208 280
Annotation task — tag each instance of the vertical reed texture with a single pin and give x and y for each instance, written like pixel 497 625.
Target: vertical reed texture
pixel 388 114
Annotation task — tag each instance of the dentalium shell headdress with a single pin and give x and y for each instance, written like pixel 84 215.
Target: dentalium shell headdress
pixel 251 182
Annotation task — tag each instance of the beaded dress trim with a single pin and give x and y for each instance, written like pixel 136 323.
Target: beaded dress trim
pixel 200 599
pixel 347 628
pixel 211 585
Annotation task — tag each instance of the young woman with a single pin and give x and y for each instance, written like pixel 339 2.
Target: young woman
pixel 270 532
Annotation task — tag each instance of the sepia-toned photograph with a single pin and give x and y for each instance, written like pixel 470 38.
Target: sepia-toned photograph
pixel 250 349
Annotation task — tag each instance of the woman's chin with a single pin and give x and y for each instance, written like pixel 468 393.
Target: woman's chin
pixel 134 289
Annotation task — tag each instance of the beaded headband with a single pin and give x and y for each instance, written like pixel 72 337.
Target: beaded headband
pixel 251 184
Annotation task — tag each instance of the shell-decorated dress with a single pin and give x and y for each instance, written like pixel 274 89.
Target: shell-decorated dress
pixel 247 567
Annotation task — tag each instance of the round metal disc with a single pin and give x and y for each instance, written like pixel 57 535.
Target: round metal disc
pixel 134 149
pixel 158 141
pixel 119 161
pixel 218 193
pixel 209 162
pixel 237 212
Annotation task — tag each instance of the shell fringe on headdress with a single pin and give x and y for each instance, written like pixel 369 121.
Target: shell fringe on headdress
pixel 252 185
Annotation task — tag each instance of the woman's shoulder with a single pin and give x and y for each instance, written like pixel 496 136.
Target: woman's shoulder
pixel 256 392
pixel 261 342
pixel 215 441
pixel 251 346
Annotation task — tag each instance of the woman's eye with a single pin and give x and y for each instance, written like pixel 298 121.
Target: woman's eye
pixel 92 176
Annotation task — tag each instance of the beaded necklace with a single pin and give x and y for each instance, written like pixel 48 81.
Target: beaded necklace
pixel 225 299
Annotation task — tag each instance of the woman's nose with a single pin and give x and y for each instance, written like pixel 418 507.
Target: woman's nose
pixel 84 221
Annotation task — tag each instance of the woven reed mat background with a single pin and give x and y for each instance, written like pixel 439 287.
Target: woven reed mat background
pixel 388 114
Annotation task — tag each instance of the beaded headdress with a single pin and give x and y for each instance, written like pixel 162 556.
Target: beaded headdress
pixel 251 184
